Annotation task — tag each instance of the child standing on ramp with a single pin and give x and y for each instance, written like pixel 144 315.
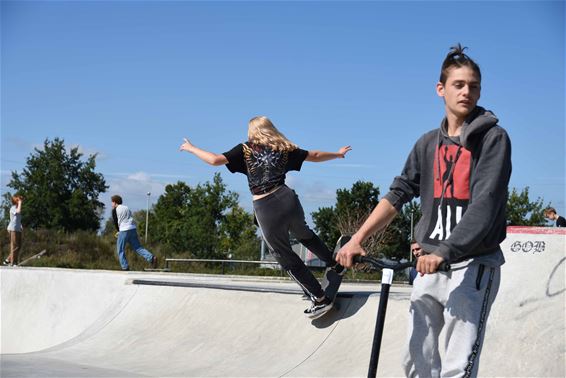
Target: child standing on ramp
pixel 265 159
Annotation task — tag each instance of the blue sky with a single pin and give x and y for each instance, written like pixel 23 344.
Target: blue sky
pixel 129 79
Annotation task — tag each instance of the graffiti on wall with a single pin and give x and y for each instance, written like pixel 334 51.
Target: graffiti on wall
pixel 528 246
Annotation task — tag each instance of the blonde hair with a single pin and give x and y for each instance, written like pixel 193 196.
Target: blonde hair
pixel 263 132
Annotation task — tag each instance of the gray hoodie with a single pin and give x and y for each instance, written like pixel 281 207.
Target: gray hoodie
pixel 462 183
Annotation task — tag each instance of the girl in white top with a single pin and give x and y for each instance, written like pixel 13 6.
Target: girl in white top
pixel 15 229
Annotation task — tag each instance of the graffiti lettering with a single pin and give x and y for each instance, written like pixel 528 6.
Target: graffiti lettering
pixel 528 246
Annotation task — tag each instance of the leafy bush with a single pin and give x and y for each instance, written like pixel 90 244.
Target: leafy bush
pixel 87 250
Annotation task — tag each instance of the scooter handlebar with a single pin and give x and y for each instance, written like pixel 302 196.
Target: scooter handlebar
pixel 382 264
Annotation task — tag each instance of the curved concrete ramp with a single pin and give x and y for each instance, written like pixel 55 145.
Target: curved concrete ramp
pixel 71 323
pixel 168 325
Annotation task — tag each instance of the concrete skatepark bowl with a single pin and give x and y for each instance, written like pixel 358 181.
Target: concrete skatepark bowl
pixel 78 323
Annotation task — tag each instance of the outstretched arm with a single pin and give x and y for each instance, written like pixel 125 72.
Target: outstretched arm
pixel 208 157
pixel 320 156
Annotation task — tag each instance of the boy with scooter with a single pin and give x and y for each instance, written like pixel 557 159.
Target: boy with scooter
pixel 461 173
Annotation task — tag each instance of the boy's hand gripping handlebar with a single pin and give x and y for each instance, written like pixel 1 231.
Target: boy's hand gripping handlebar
pixel 381 264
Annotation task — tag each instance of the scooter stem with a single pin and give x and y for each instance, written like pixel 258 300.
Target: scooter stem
pixel 386 280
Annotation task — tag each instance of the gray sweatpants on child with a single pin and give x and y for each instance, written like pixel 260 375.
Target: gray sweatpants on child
pixel 457 302
pixel 278 214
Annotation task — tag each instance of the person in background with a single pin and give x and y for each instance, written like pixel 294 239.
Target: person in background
pixel 127 234
pixel 551 215
pixel 416 250
pixel 15 229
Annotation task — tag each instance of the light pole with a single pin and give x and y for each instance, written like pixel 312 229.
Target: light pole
pixel 147 216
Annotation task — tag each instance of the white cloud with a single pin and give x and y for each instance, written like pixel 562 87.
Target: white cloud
pixel 86 152
pixel 312 191
pixel 134 189
pixel 138 175
pixel 349 165
pixel 312 194
pixel 136 185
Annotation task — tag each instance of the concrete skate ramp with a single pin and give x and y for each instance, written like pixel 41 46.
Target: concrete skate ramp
pixel 71 323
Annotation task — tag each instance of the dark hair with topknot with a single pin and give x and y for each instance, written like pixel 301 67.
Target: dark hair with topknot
pixel 457 58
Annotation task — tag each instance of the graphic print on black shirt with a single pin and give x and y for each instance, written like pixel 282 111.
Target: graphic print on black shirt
pixel 451 176
pixel 265 167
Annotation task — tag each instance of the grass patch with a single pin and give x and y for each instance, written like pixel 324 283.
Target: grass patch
pixel 87 250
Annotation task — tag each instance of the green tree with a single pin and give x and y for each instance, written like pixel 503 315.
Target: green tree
pixel 351 209
pixel 204 221
pixel 108 229
pixel 521 211
pixel 238 235
pixel 139 218
pixel 60 190
pixel 396 239
pixel 326 224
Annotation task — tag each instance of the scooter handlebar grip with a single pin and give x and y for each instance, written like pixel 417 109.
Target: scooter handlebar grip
pixel 444 267
pixel 358 259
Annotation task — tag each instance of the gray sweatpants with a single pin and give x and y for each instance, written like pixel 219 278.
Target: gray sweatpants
pixel 278 214
pixel 457 302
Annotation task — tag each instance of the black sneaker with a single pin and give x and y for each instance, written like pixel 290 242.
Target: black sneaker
pixel 319 308
pixel 6 262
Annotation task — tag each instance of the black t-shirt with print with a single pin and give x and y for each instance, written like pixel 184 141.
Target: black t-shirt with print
pixel 264 167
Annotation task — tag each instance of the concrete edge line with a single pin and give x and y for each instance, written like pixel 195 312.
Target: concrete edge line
pixel 225 287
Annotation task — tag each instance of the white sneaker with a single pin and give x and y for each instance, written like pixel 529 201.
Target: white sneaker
pixel 319 308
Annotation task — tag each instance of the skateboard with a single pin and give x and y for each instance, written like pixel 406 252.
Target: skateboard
pixel 332 280
pixel 330 284
pixel 36 256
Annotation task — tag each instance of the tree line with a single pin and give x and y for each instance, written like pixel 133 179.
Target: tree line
pixel 61 191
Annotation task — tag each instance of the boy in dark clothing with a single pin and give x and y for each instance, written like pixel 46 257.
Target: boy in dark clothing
pixel 551 215
pixel 461 173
